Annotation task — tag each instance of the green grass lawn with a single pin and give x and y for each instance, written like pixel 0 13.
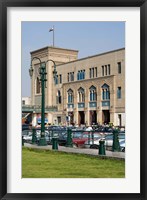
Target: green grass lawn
pixel 38 163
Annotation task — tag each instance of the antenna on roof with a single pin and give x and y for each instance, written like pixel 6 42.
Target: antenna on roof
pixel 52 29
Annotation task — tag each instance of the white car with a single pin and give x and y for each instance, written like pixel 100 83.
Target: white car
pixel 94 143
pixel 26 132
pixel 28 138
pixel 109 139
pixel 122 145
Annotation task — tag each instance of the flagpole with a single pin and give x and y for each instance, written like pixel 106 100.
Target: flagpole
pixel 52 29
pixel 53 35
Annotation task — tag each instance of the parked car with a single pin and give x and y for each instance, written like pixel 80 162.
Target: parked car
pixel 93 143
pixel 26 132
pixel 122 145
pixel 48 136
pixel 27 136
pixel 79 142
pixel 26 127
pixel 84 137
pixel 62 138
pixel 108 138
pixel 105 130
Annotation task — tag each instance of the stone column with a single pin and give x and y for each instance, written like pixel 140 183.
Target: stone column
pixel 76 117
pixel 100 118
pixel 97 120
pixel 112 116
pixel 86 117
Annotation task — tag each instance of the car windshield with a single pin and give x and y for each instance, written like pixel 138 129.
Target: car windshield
pixel 26 132
pixel 62 134
pixel 30 134
pixel 108 137
pixel 77 135
pixel 85 135
pixel 121 136
pixel 122 142
pixel 97 135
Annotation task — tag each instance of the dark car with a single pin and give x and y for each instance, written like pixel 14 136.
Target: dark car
pixel 48 136
pixel 62 138
pixel 26 127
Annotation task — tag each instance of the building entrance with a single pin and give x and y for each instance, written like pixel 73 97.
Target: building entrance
pixel 119 120
pixel 93 117
pixel 58 120
pixel 81 117
pixel 106 116
pixel 71 117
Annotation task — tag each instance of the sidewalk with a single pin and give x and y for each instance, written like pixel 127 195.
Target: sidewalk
pixel 92 152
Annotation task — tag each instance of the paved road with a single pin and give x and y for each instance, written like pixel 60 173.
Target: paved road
pixel 92 152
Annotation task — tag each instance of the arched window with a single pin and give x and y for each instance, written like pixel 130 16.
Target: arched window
pixel 105 92
pixel 58 97
pixel 93 94
pixel 81 95
pixel 38 84
pixel 70 96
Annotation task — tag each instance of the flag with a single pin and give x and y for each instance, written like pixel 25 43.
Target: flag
pixel 51 29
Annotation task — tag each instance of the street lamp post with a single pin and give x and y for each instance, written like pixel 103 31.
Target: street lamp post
pixel 42 71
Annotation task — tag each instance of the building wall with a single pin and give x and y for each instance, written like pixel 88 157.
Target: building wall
pixel 114 80
pixel 26 100
pixel 68 63
pixel 59 56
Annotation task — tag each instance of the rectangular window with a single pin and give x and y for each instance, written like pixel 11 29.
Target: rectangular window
pixel 90 73
pixel 23 102
pixel 102 70
pixel 38 86
pixel 84 74
pixel 72 76
pixel 56 81
pixel 119 120
pixel 60 78
pixel 106 70
pixel 95 71
pixel 119 67
pixel 78 75
pixel 109 70
pixel 119 92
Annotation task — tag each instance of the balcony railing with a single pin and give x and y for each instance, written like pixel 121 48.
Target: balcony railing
pixel 105 103
pixel 70 105
pixel 81 105
pixel 37 108
pixel 92 104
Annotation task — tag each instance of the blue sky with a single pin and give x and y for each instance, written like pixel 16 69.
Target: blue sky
pixel 89 38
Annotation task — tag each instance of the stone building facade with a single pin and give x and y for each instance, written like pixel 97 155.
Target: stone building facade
pixel 87 91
